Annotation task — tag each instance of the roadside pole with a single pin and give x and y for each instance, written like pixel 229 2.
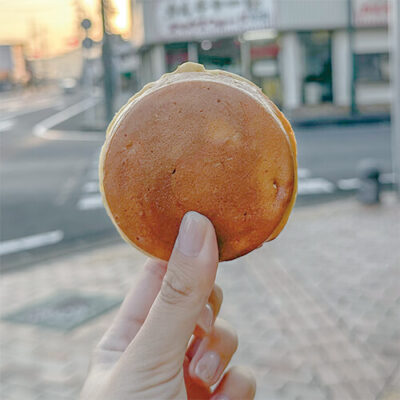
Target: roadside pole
pixel 353 77
pixel 107 66
pixel 395 115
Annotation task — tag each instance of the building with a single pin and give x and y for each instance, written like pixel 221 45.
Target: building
pixel 301 52
pixel 67 65
pixel 13 66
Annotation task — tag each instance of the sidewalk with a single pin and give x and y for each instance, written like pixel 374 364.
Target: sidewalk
pixel 329 114
pixel 317 310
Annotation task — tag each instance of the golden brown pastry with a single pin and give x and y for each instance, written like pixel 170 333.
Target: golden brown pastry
pixel 206 141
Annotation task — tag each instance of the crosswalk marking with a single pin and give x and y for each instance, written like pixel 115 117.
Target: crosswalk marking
pixel 315 186
pixel 303 173
pixel 90 187
pixel 91 197
pixel 90 202
pixel 348 184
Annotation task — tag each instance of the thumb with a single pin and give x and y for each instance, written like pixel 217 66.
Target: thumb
pixel 184 292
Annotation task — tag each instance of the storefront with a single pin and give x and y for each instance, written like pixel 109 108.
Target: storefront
pixel 170 32
pixel 302 53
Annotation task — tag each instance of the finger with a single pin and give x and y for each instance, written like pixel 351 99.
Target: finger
pixel 237 384
pixel 184 292
pixel 194 390
pixel 213 353
pixel 209 312
pixel 204 328
pixel 135 307
pixel 193 346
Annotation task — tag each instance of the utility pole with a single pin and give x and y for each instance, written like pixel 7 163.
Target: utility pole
pixel 395 115
pixel 107 65
pixel 353 76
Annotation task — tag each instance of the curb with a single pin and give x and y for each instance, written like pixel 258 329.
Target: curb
pixel 341 120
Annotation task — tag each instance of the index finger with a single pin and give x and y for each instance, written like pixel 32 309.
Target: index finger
pixel 134 309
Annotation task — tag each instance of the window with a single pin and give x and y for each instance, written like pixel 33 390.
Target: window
pixel 372 67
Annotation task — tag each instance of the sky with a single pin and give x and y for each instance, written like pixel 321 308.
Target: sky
pixel 51 27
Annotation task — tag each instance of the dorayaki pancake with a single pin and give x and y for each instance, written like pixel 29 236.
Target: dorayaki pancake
pixel 205 141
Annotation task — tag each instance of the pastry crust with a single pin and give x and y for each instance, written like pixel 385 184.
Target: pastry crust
pixel 207 141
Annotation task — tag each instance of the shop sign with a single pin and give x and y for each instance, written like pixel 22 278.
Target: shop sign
pixel 183 20
pixel 370 13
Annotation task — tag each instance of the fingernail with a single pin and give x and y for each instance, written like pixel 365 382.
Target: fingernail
pixel 206 319
pixel 220 397
pixel 207 366
pixel 191 234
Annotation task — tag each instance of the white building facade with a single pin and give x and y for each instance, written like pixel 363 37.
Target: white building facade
pixel 301 52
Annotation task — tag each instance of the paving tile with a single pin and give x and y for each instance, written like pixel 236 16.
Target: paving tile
pixel 317 310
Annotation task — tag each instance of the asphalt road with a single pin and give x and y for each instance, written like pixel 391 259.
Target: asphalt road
pixel 49 198
pixel 42 182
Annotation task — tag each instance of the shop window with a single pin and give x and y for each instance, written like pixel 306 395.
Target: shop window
pixel 223 53
pixel 317 78
pixel 176 54
pixel 265 68
pixel 372 67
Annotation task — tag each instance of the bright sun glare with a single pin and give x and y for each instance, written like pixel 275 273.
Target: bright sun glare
pixel 53 25
pixel 120 21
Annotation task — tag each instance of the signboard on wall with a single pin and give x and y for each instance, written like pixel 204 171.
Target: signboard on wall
pixel 370 13
pixel 186 20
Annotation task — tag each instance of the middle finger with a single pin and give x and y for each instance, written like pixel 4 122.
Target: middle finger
pixel 213 353
pixel 209 313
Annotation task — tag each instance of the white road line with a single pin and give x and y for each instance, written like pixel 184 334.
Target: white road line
pixel 65 191
pixel 15 114
pixel 315 186
pixel 90 187
pixel 303 173
pixel 77 136
pixel 90 202
pixel 30 242
pixel 355 183
pixel 6 125
pixel 42 129
pixel 348 184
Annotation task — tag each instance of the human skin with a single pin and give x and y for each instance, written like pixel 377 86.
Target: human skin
pixel 167 341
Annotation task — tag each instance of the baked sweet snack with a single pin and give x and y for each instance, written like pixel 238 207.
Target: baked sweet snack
pixel 207 141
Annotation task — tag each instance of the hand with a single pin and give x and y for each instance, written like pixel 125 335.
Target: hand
pixel 166 342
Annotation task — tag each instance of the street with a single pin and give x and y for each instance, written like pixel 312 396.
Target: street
pixel 50 203
pixel 42 182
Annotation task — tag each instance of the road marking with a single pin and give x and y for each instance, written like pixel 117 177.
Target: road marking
pixel 90 187
pixel 348 184
pixel 315 186
pixel 303 173
pixel 43 129
pixel 355 183
pixel 14 112
pixel 65 191
pixel 6 125
pixel 90 202
pixel 30 242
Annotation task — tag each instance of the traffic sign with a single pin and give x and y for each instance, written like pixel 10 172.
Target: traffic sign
pixel 86 23
pixel 87 43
